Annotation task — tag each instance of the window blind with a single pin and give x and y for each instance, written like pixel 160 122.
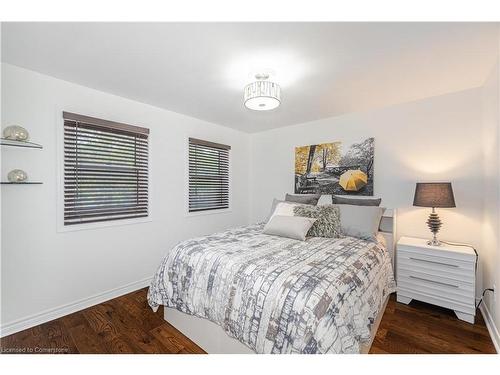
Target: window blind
pixel 105 170
pixel 208 175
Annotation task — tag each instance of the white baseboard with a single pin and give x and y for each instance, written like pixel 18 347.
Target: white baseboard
pixel 51 314
pixel 490 324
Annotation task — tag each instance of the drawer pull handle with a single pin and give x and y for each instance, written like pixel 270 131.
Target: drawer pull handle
pixel 433 261
pixel 433 281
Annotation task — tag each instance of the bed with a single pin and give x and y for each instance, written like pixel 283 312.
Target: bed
pixel 242 291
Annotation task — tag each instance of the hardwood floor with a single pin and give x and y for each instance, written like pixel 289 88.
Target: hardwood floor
pixel 423 328
pixel 122 325
pixel 127 325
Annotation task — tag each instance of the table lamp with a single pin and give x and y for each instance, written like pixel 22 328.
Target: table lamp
pixel 434 195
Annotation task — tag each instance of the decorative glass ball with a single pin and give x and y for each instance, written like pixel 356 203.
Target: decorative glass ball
pixel 16 132
pixel 17 175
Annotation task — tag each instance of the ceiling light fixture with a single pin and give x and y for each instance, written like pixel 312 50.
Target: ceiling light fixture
pixel 262 95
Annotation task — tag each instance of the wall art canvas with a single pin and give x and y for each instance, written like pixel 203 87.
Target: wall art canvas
pixel 335 168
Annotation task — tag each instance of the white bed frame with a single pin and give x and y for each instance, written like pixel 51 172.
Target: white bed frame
pixel 212 338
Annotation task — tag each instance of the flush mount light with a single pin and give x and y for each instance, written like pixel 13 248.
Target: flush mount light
pixel 262 95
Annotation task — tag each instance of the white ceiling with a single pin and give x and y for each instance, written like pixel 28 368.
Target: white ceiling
pixel 199 69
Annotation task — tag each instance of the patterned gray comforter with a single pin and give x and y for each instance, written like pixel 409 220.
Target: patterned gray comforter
pixel 275 294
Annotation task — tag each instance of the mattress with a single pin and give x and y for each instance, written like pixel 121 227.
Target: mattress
pixel 275 294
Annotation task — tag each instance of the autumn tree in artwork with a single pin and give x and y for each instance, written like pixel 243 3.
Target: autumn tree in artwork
pixel 310 158
pixel 360 154
pixel 301 157
pixel 326 154
pixel 316 158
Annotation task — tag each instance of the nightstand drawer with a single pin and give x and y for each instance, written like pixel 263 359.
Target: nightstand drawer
pixel 436 261
pixel 444 282
pixel 435 267
pixel 467 308
pixel 465 260
pixel 442 288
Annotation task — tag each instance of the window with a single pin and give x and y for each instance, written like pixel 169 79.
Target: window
pixel 105 170
pixel 208 175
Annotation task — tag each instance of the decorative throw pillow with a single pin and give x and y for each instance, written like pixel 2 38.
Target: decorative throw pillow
pixel 303 198
pixel 356 201
pixel 327 223
pixel 294 227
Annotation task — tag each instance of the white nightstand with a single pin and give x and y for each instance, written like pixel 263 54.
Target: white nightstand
pixel 442 275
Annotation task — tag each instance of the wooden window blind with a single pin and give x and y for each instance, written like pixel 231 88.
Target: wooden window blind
pixel 208 175
pixel 105 170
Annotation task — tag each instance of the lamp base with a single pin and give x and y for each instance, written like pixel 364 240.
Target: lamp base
pixel 434 223
pixel 434 242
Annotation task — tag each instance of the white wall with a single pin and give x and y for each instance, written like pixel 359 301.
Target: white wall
pixel 45 269
pixel 491 191
pixel 445 138
pixel 436 139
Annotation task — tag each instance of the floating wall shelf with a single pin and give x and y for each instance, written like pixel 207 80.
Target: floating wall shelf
pixel 21 183
pixel 22 144
pixel 14 143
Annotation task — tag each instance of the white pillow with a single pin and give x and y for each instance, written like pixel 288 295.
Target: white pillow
pixel 295 227
pixel 273 207
pixel 284 209
pixel 324 200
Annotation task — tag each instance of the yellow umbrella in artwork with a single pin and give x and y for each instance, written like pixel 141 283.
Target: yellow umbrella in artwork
pixel 353 180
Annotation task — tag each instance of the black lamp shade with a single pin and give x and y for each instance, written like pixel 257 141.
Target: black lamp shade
pixel 434 194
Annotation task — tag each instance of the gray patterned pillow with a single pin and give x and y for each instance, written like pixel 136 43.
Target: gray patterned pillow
pixel 327 223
